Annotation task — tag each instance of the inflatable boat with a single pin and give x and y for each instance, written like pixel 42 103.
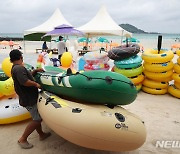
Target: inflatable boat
pixel 92 126
pixel 100 87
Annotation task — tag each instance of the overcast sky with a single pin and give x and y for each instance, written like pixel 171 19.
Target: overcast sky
pixel 149 15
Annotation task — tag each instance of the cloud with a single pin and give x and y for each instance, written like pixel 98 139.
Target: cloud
pixel 151 15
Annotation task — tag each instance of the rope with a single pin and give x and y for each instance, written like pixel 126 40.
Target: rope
pixel 107 79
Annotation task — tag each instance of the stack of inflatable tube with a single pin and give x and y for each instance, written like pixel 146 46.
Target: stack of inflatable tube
pixel 92 126
pixel 158 70
pixel 174 89
pixel 96 61
pixel 128 63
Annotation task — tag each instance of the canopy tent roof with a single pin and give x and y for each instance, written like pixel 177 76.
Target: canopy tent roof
pixel 103 24
pixel 36 33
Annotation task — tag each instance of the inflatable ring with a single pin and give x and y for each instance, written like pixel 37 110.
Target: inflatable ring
pixel 11 111
pixel 178 60
pixel 158 67
pixel 123 52
pixel 174 91
pixel 152 56
pixel 138 87
pixel 129 72
pixel 177 84
pixel 137 79
pixel 158 76
pixel 178 52
pixel 96 57
pixel 155 84
pixel 7 87
pixel 154 91
pixel 176 77
pixel 88 67
pixel 177 68
pixel 131 62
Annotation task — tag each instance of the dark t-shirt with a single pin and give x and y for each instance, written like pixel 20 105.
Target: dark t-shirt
pixel 27 95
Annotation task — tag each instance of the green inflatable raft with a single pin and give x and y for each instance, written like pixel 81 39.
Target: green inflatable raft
pixel 3 76
pixel 100 87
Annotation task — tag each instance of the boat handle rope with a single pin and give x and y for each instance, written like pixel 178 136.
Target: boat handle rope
pixel 108 79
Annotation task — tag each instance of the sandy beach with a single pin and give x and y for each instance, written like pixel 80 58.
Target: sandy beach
pixel 159 112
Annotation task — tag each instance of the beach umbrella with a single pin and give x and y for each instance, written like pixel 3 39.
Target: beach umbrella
pixel 131 39
pixel 64 30
pixel 4 42
pixel 8 43
pixel 177 45
pixel 84 39
pixel 102 40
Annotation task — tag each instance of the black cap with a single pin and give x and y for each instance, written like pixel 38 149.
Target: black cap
pixel 15 55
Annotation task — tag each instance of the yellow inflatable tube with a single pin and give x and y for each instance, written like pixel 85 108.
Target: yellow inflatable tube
pixel 152 56
pixel 11 111
pixel 154 91
pixel 138 87
pixel 129 72
pixel 137 79
pixel 158 67
pixel 177 84
pixel 176 77
pixel 155 84
pixel 174 91
pixel 163 76
pixel 177 68
pixel 178 60
pixel 7 87
pixel 178 52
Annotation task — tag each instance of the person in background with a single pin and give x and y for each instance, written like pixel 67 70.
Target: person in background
pixel 44 46
pixel 27 90
pixel 11 44
pixel 61 46
pixel 67 45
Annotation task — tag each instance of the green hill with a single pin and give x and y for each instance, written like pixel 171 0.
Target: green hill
pixel 131 28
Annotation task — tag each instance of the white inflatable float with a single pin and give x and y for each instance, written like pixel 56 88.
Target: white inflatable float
pixel 92 126
pixel 11 111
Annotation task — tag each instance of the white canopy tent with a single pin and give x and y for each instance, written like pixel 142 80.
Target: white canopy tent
pixel 36 33
pixel 103 24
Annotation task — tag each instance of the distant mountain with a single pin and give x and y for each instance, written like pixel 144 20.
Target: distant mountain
pixel 133 29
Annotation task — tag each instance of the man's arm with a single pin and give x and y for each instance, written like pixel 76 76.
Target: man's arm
pixel 30 83
pixel 37 70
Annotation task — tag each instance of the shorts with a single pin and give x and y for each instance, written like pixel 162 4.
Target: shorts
pixel 34 112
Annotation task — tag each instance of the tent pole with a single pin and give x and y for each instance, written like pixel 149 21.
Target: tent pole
pixel 50 42
pixel 24 46
pixel 122 37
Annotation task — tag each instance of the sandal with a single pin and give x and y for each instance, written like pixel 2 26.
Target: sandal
pixel 25 145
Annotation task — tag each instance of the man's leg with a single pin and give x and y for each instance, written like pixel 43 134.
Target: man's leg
pixel 42 135
pixel 29 129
